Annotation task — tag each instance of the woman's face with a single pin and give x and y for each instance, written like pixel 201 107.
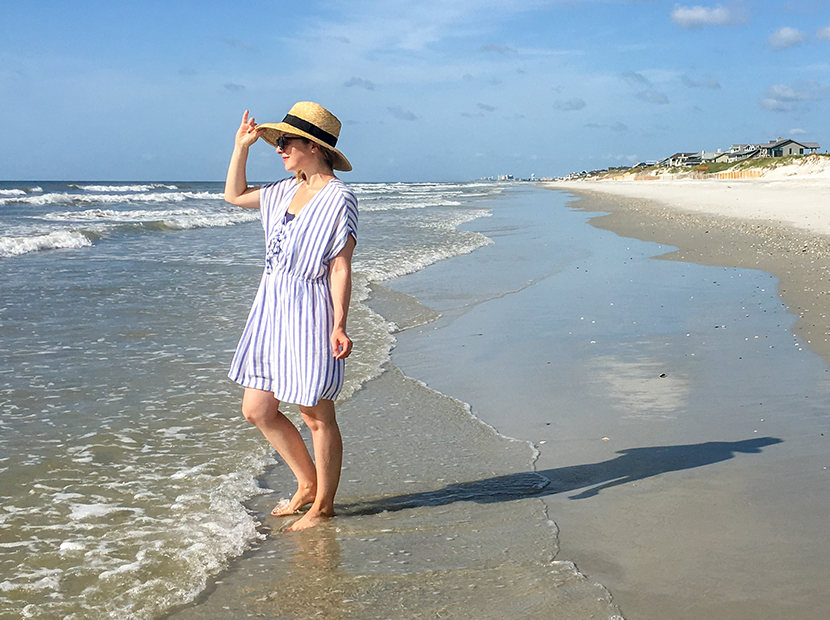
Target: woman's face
pixel 296 154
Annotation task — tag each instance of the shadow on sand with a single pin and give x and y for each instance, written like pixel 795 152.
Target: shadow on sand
pixel 633 464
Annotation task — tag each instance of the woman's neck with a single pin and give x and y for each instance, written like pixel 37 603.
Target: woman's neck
pixel 316 180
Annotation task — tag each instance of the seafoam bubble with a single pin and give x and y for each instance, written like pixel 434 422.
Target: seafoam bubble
pixel 33 581
pixel 189 472
pixel 67 198
pixel 386 264
pixel 125 568
pixel 69 546
pixel 176 219
pixel 208 221
pixel 123 188
pixel 61 239
pixel 408 204
pixel 94 511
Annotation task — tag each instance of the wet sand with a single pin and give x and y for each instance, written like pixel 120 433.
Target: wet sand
pixel 798 256
pixel 438 516
pixel 680 426
pixel 424 528
pixel 679 414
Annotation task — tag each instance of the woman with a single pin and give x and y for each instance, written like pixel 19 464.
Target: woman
pixel 294 343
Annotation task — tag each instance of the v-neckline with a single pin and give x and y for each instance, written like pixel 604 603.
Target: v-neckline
pixel 307 204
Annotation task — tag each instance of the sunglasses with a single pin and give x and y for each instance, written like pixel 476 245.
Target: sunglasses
pixel 282 141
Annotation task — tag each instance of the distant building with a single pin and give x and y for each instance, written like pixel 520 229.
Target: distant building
pixel 715 157
pixel 783 147
pixel 678 159
pixel 739 152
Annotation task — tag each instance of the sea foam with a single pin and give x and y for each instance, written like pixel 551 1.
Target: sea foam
pixel 62 239
pixel 139 489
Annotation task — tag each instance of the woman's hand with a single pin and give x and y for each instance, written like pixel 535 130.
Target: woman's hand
pixel 237 191
pixel 248 132
pixel 341 344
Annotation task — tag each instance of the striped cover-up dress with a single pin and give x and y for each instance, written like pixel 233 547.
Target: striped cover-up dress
pixel 285 347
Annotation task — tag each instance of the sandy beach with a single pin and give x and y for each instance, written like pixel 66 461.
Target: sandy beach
pixel 789 196
pixel 778 223
pixel 678 411
pixel 567 428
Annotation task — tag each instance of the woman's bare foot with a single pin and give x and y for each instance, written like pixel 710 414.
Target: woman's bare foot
pixel 301 498
pixel 310 519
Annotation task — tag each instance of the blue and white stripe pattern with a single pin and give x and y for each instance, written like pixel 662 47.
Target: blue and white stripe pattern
pixel 285 347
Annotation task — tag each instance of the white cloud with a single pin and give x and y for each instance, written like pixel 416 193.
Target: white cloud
pixel 787 93
pixel 707 82
pixel 823 33
pixel 699 16
pixel 241 45
pixel 402 114
pixel 785 38
pixel 652 96
pixel 570 105
pixel 776 105
pixel 638 79
pixel 618 126
pixel 785 98
pixel 498 49
pixel 360 83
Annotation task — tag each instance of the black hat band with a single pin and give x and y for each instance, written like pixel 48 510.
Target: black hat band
pixel 310 129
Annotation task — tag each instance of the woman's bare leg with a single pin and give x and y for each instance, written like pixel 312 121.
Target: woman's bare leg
pixel 328 456
pixel 261 409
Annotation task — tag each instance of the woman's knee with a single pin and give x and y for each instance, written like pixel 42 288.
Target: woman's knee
pixel 319 416
pixel 253 413
pixel 258 407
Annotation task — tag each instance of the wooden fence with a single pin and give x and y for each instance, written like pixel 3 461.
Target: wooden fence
pixel 753 173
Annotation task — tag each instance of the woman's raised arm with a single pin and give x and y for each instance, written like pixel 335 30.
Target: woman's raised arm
pixel 237 191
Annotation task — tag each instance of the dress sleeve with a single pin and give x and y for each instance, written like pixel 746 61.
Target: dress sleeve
pixel 345 223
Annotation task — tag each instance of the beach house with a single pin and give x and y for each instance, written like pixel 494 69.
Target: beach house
pixel 678 159
pixel 783 147
pixel 739 152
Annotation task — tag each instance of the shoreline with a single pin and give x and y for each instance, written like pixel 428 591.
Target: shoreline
pixel 787 195
pixel 619 536
pixel 683 444
pixel 421 529
pixel 797 253
pixel 427 509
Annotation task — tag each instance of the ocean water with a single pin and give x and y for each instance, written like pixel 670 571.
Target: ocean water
pixel 125 466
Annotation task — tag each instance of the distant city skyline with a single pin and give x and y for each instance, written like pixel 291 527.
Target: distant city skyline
pixel 427 91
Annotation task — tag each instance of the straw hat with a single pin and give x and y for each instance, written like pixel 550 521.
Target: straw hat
pixel 311 121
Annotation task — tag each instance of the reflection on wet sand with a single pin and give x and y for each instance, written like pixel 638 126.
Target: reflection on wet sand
pixel 302 586
pixel 640 388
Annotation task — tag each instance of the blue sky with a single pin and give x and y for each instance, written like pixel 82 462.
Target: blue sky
pixel 428 90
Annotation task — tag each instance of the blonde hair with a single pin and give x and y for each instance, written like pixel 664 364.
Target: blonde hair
pixel 326 155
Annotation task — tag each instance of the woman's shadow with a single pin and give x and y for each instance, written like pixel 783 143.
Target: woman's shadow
pixel 633 464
